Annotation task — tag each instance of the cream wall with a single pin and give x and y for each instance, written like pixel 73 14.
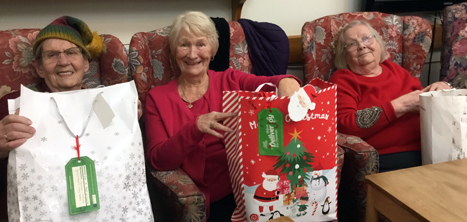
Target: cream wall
pixel 121 18
pixel 290 15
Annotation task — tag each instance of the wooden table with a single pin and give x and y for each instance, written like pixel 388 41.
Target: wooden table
pixel 436 192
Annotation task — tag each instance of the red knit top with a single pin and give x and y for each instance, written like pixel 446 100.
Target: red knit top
pixel 356 92
pixel 174 140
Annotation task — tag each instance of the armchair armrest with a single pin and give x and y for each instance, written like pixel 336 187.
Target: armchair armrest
pixel 361 159
pixel 176 196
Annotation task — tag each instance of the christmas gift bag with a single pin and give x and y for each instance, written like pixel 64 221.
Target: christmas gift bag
pixel 443 124
pixel 85 161
pixel 282 153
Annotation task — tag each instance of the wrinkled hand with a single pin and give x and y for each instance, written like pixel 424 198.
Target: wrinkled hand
pixel 14 131
pixel 287 87
pixel 409 102
pixel 209 123
pixel 436 86
pixel 140 109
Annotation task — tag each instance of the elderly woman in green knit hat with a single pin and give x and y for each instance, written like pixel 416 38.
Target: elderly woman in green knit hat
pixel 62 51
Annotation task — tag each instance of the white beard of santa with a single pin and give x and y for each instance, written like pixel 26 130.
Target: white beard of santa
pixel 270 183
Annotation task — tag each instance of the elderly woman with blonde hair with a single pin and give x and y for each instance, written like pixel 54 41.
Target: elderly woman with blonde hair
pixel 377 99
pixel 184 119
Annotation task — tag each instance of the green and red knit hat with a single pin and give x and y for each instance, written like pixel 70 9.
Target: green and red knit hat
pixel 73 30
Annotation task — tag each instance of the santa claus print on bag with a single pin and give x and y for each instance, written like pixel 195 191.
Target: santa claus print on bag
pixel 267 194
pixel 267 186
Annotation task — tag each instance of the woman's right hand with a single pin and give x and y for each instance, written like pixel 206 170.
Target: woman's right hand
pixel 14 131
pixel 208 123
pixel 409 102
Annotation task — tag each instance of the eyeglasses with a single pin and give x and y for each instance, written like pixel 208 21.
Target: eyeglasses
pixel 52 56
pixel 366 40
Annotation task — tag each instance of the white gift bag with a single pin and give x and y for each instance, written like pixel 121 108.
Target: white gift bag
pixel 37 185
pixel 443 123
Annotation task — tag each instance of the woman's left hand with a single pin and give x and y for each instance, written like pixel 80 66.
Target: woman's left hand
pixel 288 86
pixel 140 109
pixel 210 122
pixel 436 86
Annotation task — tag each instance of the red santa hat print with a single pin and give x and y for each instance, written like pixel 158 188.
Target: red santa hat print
pixel 271 173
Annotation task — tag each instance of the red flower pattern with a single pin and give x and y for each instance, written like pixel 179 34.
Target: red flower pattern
pixel 22 49
pixel 454 54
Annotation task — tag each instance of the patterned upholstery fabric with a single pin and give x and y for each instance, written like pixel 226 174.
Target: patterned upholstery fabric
pixel 152 64
pixel 361 159
pixel 16 57
pixel 408 40
pixel 454 54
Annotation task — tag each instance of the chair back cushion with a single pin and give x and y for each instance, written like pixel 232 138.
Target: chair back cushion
pixel 16 62
pixel 454 53
pixel 152 63
pixel 408 40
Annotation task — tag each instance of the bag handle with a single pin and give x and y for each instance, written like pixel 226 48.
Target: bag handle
pixel 87 119
pixel 269 84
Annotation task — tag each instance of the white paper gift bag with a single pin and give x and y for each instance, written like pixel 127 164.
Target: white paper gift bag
pixel 37 183
pixel 443 123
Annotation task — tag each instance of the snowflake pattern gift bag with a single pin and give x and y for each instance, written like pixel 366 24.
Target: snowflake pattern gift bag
pixel 85 161
pixel 279 166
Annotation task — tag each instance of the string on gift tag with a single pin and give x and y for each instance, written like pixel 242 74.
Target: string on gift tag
pixel 263 94
pixel 77 147
pixel 85 125
pixel 269 104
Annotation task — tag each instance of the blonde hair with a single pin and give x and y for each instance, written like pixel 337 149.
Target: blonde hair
pixel 197 23
pixel 340 61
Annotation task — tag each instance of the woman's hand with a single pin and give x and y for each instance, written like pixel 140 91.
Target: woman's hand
pixel 287 87
pixel 437 86
pixel 409 102
pixel 140 109
pixel 209 123
pixel 14 131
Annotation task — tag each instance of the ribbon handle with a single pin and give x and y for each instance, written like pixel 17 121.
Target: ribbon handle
pixel 269 84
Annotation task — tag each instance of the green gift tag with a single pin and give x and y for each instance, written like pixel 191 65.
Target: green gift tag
pixel 270 130
pixel 81 185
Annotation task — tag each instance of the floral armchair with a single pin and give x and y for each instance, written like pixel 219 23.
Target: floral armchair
pixel 151 64
pixel 16 69
pixel 174 195
pixel 408 40
pixel 454 53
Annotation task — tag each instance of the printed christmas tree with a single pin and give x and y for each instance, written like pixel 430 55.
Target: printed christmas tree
pixel 295 161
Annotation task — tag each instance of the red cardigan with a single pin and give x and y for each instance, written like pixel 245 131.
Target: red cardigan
pixel 355 92
pixel 174 140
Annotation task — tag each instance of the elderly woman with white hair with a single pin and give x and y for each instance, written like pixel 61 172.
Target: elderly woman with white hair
pixel 184 117
pixel 377 99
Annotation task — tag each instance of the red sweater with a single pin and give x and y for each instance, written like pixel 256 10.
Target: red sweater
pixel 174 140
pixel 355 92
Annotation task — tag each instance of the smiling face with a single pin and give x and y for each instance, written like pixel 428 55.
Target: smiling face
pixel 365 55
pixel 193 54
pixel 64 74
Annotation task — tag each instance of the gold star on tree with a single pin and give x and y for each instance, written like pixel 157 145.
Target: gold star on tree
pixel 295 135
